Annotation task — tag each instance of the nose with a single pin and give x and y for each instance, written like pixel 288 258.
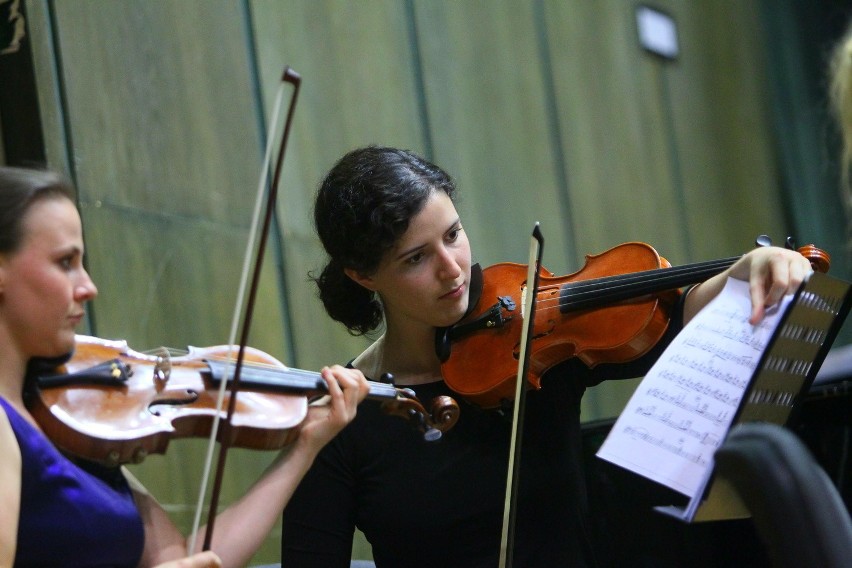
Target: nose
pixel 85 289
pixel 448 265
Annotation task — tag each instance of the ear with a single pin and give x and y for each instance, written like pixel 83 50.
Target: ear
pixel 360 279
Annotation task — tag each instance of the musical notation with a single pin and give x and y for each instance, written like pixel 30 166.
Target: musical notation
pixel 684 406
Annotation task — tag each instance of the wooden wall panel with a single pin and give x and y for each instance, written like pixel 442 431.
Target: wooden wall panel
pixel 162 126
pixel 720 109
pixel 543 111
pixel 46 71
pixel 166 152
pixel 673 153
pixel 160 104
pixel 358 88
pixel 486 94
pixel 612 121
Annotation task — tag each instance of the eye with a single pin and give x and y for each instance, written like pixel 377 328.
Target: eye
pixel 453 234
pixel 414 258
pixel 69 261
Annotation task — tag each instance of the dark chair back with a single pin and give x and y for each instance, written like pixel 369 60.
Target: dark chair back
pixel 797 510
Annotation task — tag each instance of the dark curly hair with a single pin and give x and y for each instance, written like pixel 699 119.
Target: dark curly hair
pixel 362 207
pixel 19 189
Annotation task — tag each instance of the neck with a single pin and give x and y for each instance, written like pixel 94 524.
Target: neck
pixel 13 367
pixel 409 357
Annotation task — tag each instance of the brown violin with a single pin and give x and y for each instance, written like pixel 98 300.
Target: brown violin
pixel 114 405
pixel 612 310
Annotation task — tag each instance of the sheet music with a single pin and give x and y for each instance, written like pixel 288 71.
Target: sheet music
pixel 683 408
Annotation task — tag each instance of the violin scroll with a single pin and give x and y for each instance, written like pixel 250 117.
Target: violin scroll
pixel 442 415
pixel 819 259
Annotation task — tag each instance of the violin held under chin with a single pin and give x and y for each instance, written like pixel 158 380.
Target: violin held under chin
pixel 612 310
pixel 113 405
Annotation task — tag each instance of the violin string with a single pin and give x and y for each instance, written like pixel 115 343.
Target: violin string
pixel 238 307
pixel 306 379
pixel 597 291
pixel 651 277
pixel 171 351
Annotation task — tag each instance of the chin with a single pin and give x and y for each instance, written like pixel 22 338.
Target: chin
pixel 454 317
pixel 64 344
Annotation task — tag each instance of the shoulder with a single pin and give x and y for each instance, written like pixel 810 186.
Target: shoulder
pixel 10 489
pixel 367 360
pixel 8 441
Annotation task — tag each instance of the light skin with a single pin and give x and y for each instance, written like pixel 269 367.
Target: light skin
pixel 43 290
pixel 423 283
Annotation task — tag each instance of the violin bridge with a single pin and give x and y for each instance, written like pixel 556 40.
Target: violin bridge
pixel 162 365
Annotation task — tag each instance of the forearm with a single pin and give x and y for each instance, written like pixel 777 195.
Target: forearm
pixel 240 529
pixel 236 540
pixel 699 296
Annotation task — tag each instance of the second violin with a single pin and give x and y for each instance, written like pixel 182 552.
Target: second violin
pixel 114 405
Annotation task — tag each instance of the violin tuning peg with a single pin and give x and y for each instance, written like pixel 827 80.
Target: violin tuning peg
pixel 386 378
pixel 790 243
pixel 432 435
pixel 139 455
pixel 763 241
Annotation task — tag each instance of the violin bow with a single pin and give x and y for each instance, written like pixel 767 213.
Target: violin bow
pixel 289 76
pixel 507 539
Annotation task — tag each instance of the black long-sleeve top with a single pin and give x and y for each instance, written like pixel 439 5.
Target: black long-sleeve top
pixel 440 504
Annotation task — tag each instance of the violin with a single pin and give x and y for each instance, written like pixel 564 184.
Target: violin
pixel 613 310
pixel 113 405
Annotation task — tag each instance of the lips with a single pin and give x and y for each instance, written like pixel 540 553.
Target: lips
pixel 456 292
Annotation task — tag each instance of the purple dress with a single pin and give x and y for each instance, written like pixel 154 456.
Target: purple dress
pixel 71 514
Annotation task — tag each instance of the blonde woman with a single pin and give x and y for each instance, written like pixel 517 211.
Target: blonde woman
pixel 841 106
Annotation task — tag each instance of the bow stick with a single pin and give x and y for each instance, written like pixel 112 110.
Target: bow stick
pixel 528 305
pixel 292 77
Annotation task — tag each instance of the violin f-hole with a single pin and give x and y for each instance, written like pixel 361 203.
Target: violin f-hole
pixel 172 398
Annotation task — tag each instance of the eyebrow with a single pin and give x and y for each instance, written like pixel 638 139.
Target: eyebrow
pixel 409 251
pixel 419 247
pixel 72 250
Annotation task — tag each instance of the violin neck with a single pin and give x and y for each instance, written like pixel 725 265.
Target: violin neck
pixel 284 380
pixel 596 292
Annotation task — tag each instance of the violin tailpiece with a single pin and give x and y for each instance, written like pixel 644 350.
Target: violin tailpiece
pixel 113 372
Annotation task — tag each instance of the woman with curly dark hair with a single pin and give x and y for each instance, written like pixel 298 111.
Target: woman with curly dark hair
pixel 400 262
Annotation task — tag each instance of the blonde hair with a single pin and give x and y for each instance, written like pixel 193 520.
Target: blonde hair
pixel 841 107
